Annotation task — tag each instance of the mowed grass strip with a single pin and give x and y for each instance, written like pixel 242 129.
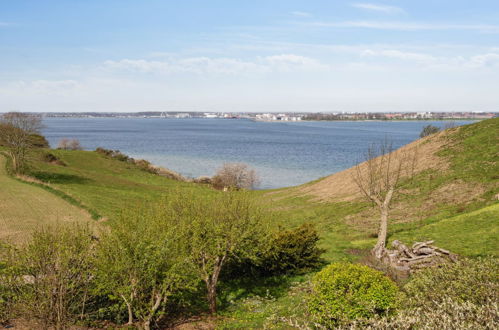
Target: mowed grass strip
pixel 24 208
pixel 104 184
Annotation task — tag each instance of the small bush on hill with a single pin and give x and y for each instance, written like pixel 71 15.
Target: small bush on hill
pixel 343 292
pixel 53 276
pixel 463 295
pixel 69 144
pixel 51 158
pixel 468 280
pixel 38 141
pixel 291 251
pixel 145 165
pixel 236 176
pixel 429 130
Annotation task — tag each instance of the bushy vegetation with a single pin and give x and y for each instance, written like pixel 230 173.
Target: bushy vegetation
pixel 429 130
pixel 235 176
pixel 49 280
pixel 69 144
pixel 135 270
pixel 343 292
pixel 291 251
pixel 464 295
pixel 142 164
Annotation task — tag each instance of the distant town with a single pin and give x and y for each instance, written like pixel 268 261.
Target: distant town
pixel 289 116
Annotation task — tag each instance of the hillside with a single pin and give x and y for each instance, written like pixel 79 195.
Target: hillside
pixel 456 174
pixel 25 207
pixel 451 200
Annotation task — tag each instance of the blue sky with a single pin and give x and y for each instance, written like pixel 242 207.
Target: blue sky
pixel 222 55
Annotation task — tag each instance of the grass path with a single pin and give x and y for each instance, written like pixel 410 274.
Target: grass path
pixel 24 207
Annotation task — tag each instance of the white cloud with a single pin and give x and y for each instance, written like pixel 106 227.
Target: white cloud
pixel 4 24
pixel 223 65
pixel 408 26
pixel 484 61
pixel 378 8
pixel 301 14
pixel 402 55
pixel 48 87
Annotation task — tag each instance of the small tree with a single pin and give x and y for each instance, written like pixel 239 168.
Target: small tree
pixel 429 130
pixel 216 228
pixel 142 262
pixel 16 131
pixel 235 175
pixel 378 180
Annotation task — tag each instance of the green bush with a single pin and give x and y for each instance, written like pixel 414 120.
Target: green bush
pixel 463 295
pixel 469 280
pixel 429 130
pixel 292 251
pixel 53 276
pixel 343 292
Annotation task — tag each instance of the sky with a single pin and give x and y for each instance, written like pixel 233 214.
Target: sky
pixel 258 55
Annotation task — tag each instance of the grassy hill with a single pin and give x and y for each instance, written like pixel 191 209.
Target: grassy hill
pixel 24 207
pixel 451 200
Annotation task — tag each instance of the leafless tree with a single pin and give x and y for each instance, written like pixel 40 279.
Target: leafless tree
pixel 236 175
pixel 67 144
pixel 16 130
pixel 378 179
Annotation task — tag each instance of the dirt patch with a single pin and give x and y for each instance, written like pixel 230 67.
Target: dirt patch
pixel 341 186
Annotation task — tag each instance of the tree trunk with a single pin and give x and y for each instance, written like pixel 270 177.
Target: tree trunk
pixel 379 249
pixel 129 308
pixel 212 297
pixel 211 284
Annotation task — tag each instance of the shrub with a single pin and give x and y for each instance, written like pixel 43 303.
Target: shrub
pixel 343 292
pixel 468 280
pixel 145 165
pixel 38 141
pixel 53 276
pixel 51 158
pixel 292 251
pixel 463 295
pixel 235 175
pixel 429 130
pixel 67 144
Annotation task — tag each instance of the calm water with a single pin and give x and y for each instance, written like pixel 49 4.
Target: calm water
pixel 284 154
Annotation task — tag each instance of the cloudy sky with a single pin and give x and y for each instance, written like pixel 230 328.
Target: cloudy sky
pixel 259 55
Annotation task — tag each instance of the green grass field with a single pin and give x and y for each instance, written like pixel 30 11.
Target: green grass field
pixel 25 207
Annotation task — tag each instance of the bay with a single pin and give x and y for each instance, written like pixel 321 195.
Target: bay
pixel 283 153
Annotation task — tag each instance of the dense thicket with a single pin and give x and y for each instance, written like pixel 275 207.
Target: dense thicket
pixel 145 261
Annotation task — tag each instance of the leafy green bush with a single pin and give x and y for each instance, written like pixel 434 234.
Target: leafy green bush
pixel 292 251
pixel 463 295
pixel 469 280
pixel 52 276
pixel 343 292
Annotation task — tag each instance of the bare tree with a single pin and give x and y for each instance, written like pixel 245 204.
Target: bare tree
pixel 16 131
pixel 378 180
pixel 67 144
pixel 236 175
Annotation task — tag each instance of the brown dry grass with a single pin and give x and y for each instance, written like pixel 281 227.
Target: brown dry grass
pixel 341 186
